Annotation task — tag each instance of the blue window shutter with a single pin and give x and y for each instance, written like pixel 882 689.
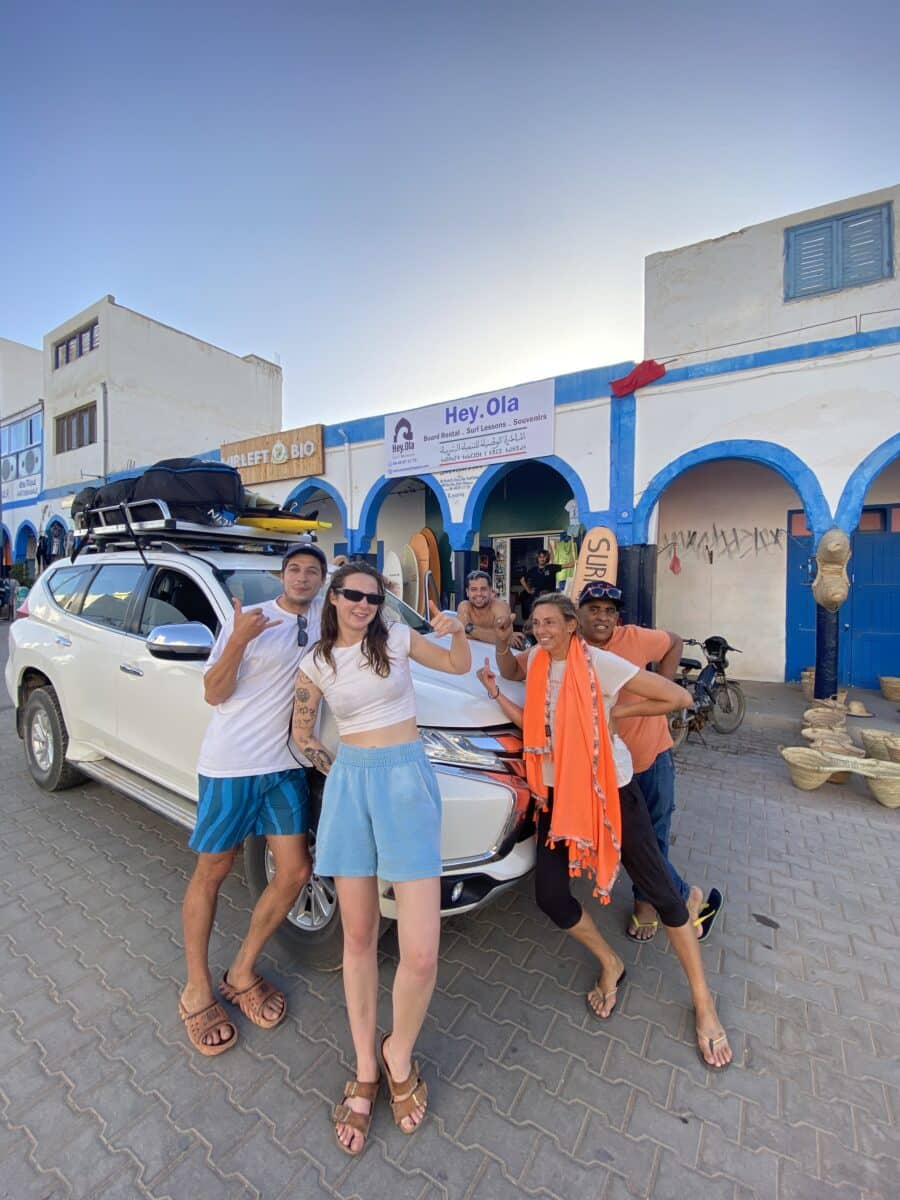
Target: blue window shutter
pixel 863 245
pixel 811 253
pixel 845 251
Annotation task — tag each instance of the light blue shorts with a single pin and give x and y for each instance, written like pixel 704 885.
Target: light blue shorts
pixel 381 815
pixel 230 809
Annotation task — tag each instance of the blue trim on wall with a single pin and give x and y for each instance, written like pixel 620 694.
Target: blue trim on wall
pixel 783 354
pixel 622 449
pixel 5 535
pixel 588 385
pixel 850 505
pixel 317 485
pixel 492 475
pixel 767 454
pixel 19 551
pixel 368 517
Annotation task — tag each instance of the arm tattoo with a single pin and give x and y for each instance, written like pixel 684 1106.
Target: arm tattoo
pixel 320 758
pixel 302 694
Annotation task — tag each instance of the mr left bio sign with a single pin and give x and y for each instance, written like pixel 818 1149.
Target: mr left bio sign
pixel 461 434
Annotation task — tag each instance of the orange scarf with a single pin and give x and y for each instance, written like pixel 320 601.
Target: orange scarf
pixel 586 814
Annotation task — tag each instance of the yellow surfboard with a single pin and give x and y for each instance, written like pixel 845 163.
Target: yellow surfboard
pixel 282 524
pixel 598 560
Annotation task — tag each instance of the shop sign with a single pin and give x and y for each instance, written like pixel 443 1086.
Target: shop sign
pixel 493 427
pixel 291 454
pixel 21 475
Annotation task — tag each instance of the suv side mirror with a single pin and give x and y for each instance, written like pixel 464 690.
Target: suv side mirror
pixel 190 642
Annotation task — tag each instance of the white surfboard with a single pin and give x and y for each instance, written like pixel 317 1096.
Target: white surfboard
pixel 393 572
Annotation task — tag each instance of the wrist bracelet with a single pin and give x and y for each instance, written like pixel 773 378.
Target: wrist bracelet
pixel 495 695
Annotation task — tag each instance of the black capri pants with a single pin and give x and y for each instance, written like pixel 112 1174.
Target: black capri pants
pixel 641 858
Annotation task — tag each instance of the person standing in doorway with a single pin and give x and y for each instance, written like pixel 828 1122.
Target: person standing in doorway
pixel 649 743
pixel 538 580
pixel 250 783
pixel 381 819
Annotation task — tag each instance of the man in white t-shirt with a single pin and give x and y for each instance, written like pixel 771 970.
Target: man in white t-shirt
pixel 250 783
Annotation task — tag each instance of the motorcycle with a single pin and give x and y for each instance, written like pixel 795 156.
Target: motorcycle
pixel 718 701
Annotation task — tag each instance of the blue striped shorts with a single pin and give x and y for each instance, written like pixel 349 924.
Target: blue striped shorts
pixel 231 809
pixel 381 815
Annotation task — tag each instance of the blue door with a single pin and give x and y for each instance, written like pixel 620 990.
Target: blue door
pixel 869 637
pixel 801 608
pixel 873 636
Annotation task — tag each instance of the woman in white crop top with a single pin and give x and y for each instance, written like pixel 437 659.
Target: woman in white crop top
pixel 381 818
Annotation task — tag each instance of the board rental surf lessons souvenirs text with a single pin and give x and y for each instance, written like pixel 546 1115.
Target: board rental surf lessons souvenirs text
pixel 517 424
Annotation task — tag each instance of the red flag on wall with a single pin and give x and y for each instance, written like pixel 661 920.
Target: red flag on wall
pixel 644 373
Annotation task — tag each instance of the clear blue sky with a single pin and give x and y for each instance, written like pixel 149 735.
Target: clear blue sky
pixel 410 201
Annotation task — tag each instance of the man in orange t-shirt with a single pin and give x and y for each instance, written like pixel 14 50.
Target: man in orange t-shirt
pixel 648 740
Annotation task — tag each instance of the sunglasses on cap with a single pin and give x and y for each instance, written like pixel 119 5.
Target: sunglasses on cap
pixel 600 591
pixel 374 598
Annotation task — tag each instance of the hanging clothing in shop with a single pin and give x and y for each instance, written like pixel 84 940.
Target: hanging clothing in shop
pixel 565 555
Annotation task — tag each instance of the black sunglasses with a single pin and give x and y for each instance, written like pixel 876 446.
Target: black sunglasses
pixel 376 599
pixel 302 632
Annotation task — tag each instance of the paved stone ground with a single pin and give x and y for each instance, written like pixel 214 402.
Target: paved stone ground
pixel 100 1096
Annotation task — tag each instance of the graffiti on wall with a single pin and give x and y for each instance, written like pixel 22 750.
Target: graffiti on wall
pixel 733 542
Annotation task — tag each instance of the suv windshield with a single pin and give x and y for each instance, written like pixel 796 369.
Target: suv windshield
pixel 256 587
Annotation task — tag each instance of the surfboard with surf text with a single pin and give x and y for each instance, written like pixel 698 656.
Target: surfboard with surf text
pixel 598 560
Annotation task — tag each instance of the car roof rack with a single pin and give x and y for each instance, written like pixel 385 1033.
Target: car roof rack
pixel 147 523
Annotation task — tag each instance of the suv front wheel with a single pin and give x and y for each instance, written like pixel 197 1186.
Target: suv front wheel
pixel 311 933
pixel 46 742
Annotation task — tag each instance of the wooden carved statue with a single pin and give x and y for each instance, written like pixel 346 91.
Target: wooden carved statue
pixel 832 584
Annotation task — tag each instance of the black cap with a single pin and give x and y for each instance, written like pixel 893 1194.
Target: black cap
pixel 598 590
pixel 305 548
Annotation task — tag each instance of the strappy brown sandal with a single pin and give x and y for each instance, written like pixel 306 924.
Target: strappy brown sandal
pixel 413 1084
pixel 251 1000
pixel 359 1122
pixel 198 1024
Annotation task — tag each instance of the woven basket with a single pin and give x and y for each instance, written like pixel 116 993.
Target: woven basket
pixel 875 742
pixel 839 749
pixel 831 717
pixel 885 791
pixel 890 686
pixel 809 769
pixel 893 748
pixel 808 681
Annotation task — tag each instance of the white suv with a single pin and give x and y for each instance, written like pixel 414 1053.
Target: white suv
pixel 105 672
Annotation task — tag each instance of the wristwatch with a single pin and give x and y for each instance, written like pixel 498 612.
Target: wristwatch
pixel 469 627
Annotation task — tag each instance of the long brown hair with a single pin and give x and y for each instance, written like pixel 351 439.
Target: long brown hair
pixel 375 639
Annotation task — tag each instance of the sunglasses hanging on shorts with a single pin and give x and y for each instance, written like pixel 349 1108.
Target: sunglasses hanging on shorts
pixel 374 598
pixel 302 631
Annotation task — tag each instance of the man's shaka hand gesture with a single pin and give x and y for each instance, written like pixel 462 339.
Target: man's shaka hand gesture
pixel 249 625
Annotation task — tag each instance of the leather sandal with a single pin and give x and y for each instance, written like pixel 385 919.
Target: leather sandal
pixel 403 1105
pixel 198 1024
pixel 359 1122
pixel 251 1000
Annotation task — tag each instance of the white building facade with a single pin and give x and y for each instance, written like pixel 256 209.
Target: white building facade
pixel 115 391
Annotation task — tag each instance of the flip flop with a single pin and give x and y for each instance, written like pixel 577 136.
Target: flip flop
pixel 604 997
pixel 634 924
pixel 713 1042
pixel 708 913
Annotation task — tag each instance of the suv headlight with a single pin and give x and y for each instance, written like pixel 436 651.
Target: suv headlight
pixel 473 749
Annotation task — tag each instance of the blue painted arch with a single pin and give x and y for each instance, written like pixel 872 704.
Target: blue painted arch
pixel 5 540
pixel 853 497
pixel 491 476
pixel 368 517
pixel 767 454
pixel 303 493
pixel 23 533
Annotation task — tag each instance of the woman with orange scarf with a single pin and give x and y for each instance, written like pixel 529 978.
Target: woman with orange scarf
pixel 591 815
